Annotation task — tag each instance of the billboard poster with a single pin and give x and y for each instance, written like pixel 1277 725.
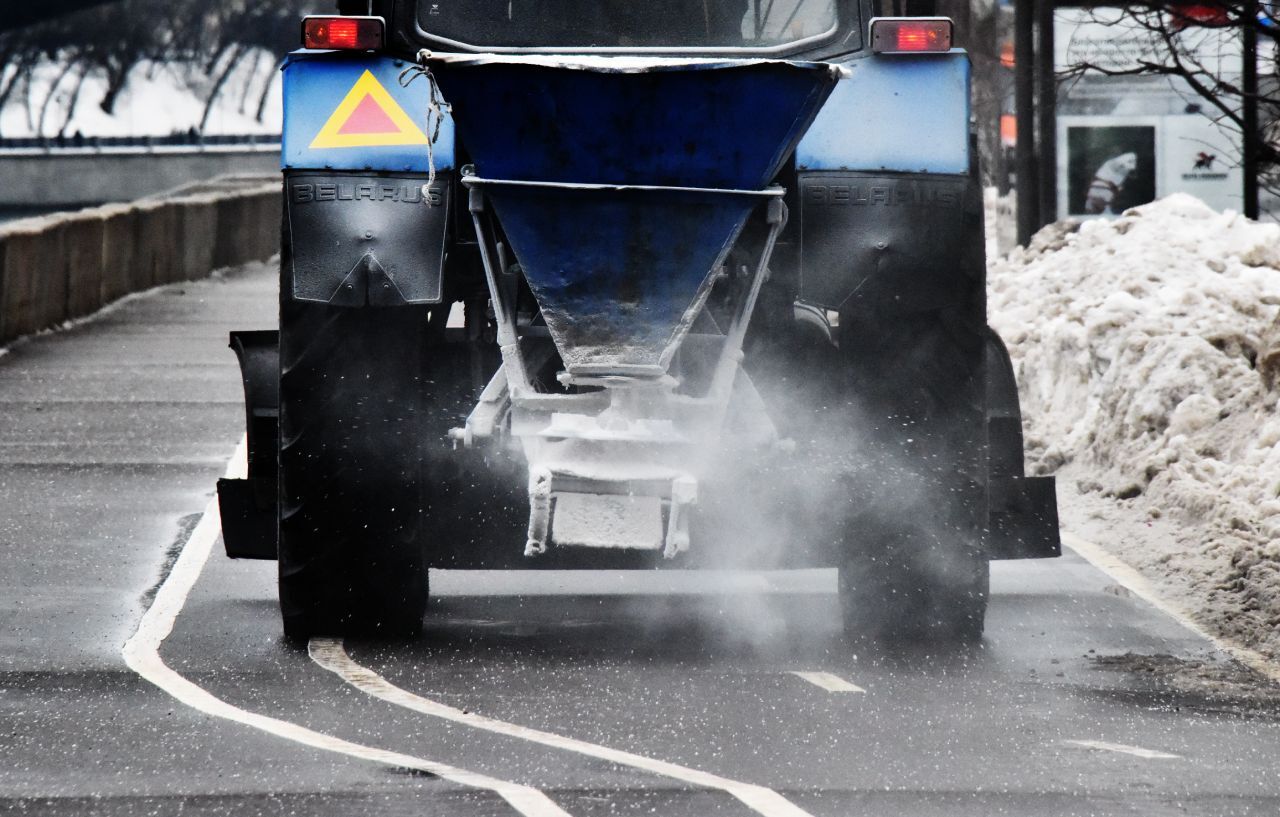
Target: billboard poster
pixel 1200 158
pixel 1127 140
pixel 1111 165
pixel 1109 38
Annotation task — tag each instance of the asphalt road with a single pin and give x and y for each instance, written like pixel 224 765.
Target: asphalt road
pixel 535 694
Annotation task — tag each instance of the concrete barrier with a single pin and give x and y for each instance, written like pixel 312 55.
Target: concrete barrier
pixel 33 284
pixel 82 252
pixel 154 234
pixel 199 219
pixel 67 265
pixel 119 251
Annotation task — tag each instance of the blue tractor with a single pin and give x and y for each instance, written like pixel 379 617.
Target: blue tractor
pixel 605 284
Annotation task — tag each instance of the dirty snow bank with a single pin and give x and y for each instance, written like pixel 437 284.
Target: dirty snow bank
pixel 1148 352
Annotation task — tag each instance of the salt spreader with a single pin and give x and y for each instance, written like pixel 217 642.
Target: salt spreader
pixel 681 284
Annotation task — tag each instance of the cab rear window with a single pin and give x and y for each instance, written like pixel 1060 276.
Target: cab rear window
pixel 627 25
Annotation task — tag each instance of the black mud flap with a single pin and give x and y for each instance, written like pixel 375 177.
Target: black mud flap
pixel 874 240
pixel 1023 520
pixel 248 511
pixel 366 239
pixel 248 506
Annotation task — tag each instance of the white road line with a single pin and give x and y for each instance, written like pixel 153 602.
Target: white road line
pixel 1137 751
pixel 828 681
pixel 142 654
pixel 330 654
pixel 1126 575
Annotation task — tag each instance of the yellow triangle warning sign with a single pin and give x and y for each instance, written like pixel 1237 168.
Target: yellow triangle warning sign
pixel 368 117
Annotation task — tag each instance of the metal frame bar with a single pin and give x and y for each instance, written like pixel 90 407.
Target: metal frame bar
pixel 1024 110
pixel 1046 114
pixel 508 340
pixel 511 385
pixel 726 370
pixel 769 192
pixel 681 490
pixel 1250 136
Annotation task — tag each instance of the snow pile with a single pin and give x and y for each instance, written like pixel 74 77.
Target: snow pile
pixel 160 98
pixel 1148 353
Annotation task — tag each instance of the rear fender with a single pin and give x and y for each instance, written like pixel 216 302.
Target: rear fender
pixel 889 205
pixel 347 111
pixel 894 113
pixel 881 243
pixel 357 149
pixel 358 239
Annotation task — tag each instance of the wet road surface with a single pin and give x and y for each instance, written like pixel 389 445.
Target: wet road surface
pixel 535 693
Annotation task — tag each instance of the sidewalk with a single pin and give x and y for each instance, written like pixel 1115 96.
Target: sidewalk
pixel 112 433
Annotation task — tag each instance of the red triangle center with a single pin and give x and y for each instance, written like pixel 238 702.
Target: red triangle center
pixel 368 117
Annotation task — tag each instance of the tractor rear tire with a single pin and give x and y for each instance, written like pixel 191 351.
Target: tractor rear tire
pixel 915 588
pixel 352 393
pixel 914 566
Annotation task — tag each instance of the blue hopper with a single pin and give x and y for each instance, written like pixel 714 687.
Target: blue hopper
pixel 620 190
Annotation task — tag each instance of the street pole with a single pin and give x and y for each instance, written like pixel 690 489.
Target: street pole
pixel 1024 110
pixel 1046 114
pixel 1249 113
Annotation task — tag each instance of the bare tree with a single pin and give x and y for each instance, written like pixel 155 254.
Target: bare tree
pixel 991 78
pixel 242 27
pixel 70 111
pixel 234 52
pixel 17 60
pixel 111 41
pixel 52 94
pixel 1187 42
pixel 114 44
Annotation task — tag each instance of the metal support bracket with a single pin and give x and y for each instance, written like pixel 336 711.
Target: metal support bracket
pixel 684 494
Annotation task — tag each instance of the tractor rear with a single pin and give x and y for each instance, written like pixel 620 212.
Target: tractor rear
pixel 697 283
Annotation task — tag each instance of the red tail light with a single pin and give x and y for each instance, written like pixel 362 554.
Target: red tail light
pixel 910 35
pixel 344 33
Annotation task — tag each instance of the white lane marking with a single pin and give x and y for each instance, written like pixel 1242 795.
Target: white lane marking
pixel 1137 751
pixel 142 654
pixel 330 654
pixel 828 681
pixel 1127 576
